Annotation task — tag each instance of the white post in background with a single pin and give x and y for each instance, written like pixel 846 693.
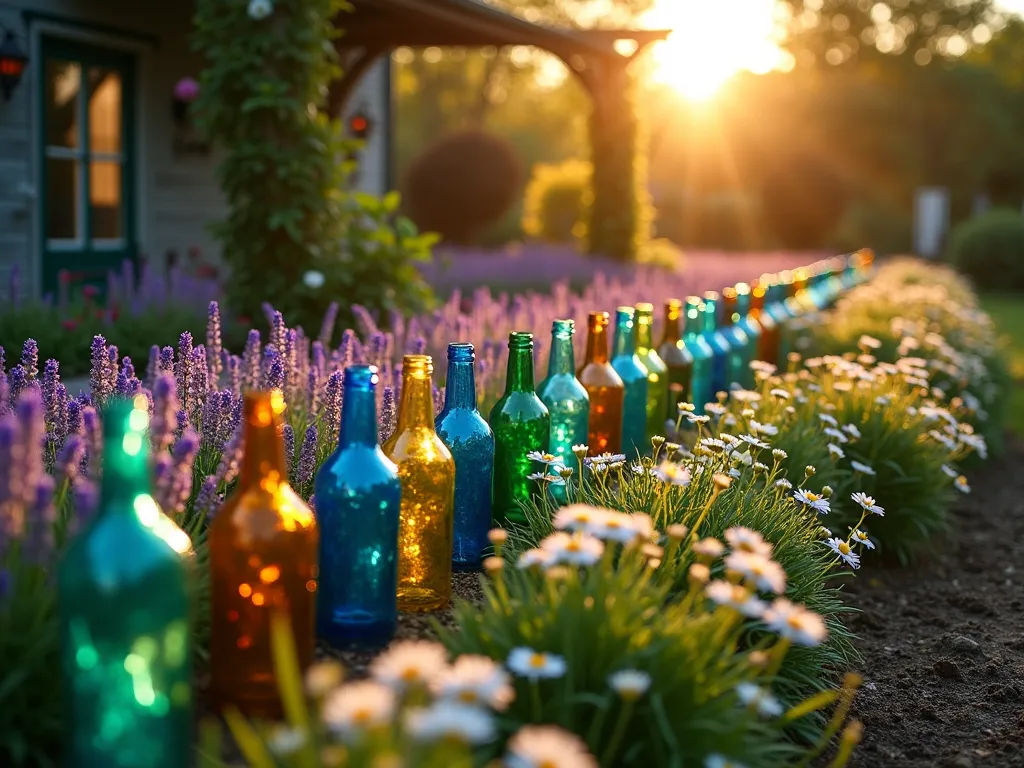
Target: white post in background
pixel 931 220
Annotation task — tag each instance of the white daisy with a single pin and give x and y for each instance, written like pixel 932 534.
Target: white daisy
pixel 836 435
pixel 751 440
pixel 323 677
pixel 640 469
pixel 475 680
pixel 673 474
pixel 695 419
pixel 353 708
pixel 575 549
pixel 868 503
pixel 286 741
pixel 547 746
pixel 782 394
pixel 715 760
pixel 764 429
pixel 535 665
pixel 580 448
pixel 630 684
pixel 861 537
pixel 709 547
pixel 961 484
pixel 735 596
pixel 409 662
pixel 779 454
pixel 864 469
pixel 623 527
pixel 790 410
pixel 712 444
pixel 950 472
pixel 828 419
pixel 783 483
pixel 606 458
pixel 544 458
pixel 743 539
pixel 758 698
pixel 765 574
pixel 715 409
pixel 883 400
pixel 450 720
pixel 578 517
pixel 541 477
pixel 835 451
pixel 813 500
pixel 535 557
pixel 794 622
pixel 845 552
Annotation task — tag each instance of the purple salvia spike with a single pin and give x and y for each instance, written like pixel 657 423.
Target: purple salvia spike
pixel 30 358
pixel 93 442
pixel 85 498
pixel 112 368
pixel 327 326
pixel 152 365
pixel 273 369
pixel 69 458
pixel 132 384
pixel 251 359
pixel 3 359
pixel 236 415
pixel 162 470
pixel 98 370
pixel 230 459
pixel 51 378
pixel 234 369
pixel 319 359
pixel 277 329
pixel 59 424
pixel 227 425
pixel 11 479
pixel 312 392
pixel 18 382
pixel 183 457
pixel 364 320
pixel 183 422
pixel 312 502
pixel 197 386
pixel 438 400
pixel 166 364
pixel 289 447
pixel 5 394
pixel 387 414
pixel 331 407
pixel 183 366
pixel 210 420
pixel 307 458
pixel 40 518
pixel 74 416
pixel 165 413
pixel 288 362
pixel 214 344
pixel 268 312
pixel 347 349
pixel 207 500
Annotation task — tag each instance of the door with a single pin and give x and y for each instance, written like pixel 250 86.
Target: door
pixel 87 163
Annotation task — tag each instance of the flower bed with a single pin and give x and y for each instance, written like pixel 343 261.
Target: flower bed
pixel 684 610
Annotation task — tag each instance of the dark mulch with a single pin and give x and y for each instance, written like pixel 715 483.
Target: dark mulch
pixel 943 642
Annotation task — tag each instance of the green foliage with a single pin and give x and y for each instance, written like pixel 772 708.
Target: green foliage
pixel 989 249
pixel 262 98
pixel 557 202
pixel 462 183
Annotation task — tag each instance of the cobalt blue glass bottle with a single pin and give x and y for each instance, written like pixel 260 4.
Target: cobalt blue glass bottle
pixel 566 399
pixel 627 364
pixel 471 441
pixel 701 391
pixel 358 499
pixel 718 343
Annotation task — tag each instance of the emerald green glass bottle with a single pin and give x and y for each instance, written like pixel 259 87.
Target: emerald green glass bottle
pixel 565 398
pixel 125 617
pixel 627 364
pixel 521 424
pixel 746 321
pixel 657 371
pixel 702 389
pixel 679 360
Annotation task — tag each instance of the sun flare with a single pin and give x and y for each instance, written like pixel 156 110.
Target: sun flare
pixel 711 42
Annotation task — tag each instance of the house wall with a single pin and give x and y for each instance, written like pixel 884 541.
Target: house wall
pixel 176 194
pixel 373 97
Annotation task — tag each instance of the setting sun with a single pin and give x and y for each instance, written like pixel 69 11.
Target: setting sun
pixel 711 42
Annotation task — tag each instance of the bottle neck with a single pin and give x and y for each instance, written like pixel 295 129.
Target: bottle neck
pixel 519 376
pixel 625 341
pixel 460 387
pixel 710 318
pixel 263 452
pixel 358 417
pixel 125 475
pixel 563 357
pixel 671 335
pixel 597 345
pixel 644 334
pixel 417 406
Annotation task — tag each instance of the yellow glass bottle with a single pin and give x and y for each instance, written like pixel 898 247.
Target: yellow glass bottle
pixel 427 474
pixel 604 387
pixel 263 557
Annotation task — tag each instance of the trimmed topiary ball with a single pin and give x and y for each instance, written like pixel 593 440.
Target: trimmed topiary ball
pixel 989 249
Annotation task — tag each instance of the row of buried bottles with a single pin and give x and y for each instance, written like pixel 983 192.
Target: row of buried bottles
pixel 390 521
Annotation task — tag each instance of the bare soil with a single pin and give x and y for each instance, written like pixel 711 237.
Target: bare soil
pixel 943 641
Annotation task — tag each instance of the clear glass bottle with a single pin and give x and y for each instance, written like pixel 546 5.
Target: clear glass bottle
pixel 358 498
pixel 627 364
pixel 263 554
pixel 470 440
pixel 657 370
pixel 604 388
pixel 521 424
pixel 427 473
pixel 565 398
pixel 125 617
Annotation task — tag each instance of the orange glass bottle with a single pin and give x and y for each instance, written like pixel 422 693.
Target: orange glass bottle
pixel 426 471
pixel 263 558
pixel 604 387
pixel 768 341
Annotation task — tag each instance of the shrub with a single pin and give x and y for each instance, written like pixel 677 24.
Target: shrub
pixel 989 249
pixel 461 183
pixel 557 202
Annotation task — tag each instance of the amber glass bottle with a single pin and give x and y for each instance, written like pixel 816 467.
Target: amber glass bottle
pixel 678 359
pixel 263 558
pixel 768 341
pixel 604 387
pixel 426 471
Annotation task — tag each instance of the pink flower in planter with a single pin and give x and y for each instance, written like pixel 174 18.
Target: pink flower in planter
pixel 186 90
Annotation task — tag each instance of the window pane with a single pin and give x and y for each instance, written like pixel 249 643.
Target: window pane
pixel 62 199
pixel 104 110
pixel 63 83
pixel 105 200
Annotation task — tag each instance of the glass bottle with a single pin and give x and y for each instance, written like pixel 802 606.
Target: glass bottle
pixel 768 341
pixel 740 347
pixel 627 364
pixel 521 424
pixel 471 442
pixel 678 359
pixel 125 629
pixel 427 473
pixel 604 388
pixel 701 391
pixel 263 558
pixel 657 370
pixel 775 307
pixel 565 398
pixel 717 341
pixel 357 508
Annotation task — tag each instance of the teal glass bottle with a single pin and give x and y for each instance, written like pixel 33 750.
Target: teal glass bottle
pixel 565 398
pixel 702 390
pixel 657 370
pixel 627 364
pixel 717 341
pixel 358 499
pixel 678 359
pixel 740 352
pixel 471 442
pixel 125 617
pixel 521 424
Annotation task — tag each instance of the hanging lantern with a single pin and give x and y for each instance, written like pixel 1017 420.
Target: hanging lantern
pixel 12 64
